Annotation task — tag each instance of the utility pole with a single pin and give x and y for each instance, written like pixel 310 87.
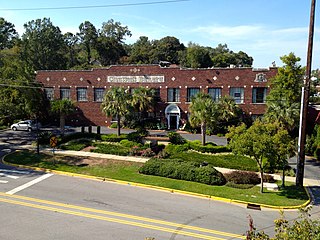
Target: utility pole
pixel 305 102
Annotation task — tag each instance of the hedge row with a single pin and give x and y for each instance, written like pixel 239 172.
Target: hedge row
pixel 197 146
pixel 113 137
pixel 177 169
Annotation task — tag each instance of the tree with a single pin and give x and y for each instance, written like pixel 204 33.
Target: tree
pixel 116 103
pixel 202 111
pixel 8 34
pixel 195 56
pixel 114 30
pixel 43 46
pixel 88 38
pixel 254 142
pixel 71 42
pixel 140 51
pixel 229 111
pixel 63 107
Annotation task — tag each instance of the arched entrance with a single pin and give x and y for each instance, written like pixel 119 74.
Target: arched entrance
pixel 173 116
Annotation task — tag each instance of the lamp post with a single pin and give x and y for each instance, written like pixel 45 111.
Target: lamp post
pixel 305 102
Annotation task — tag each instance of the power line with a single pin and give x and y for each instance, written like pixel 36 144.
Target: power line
pixel 93 6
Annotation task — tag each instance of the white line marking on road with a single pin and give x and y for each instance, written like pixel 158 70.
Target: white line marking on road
pixel 14 171
pixel 28 184
pixel 3 181
pixel 9 176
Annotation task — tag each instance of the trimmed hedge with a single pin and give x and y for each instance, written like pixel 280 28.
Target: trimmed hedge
pixel 209 147
pixel 129 144
pixel 78 135
pixel 115 149
pixel 242 177
pixel 113 137
pixel 189 171
pixel 77 144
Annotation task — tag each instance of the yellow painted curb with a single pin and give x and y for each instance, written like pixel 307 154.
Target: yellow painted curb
pixel 199 195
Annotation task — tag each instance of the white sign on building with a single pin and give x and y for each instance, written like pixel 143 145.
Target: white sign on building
pixel 135 79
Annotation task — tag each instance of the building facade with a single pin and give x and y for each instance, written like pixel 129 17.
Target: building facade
pixel 174 88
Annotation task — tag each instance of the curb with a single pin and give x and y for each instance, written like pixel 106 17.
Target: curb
pixel 141 185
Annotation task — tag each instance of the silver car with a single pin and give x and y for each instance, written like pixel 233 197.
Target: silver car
pixel 26 125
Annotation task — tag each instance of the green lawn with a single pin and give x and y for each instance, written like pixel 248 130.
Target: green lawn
pixel 128 171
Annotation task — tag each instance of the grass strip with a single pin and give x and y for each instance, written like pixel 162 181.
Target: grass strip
pixel 128 171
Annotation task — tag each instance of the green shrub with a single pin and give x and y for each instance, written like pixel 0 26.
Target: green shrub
pixel 209 147
pixel 177 169
pixel 113 137
pixel 77 144
pixel 242 177
pixel 268 178
pixel 176 138
pixel 173 149
pixel 115 149
pixel 317 153
pixel 114 125
pixel 44 137
pixel 129 144
pixel 78 135
pixel 137 136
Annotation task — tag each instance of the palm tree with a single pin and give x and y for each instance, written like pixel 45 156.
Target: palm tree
pixel 228 109
pixel 202 112
pixel 63 107
pixel 116 103
pixel 286 114
pixel 142 99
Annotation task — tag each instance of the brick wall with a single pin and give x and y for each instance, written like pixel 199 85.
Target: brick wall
pixel 89 112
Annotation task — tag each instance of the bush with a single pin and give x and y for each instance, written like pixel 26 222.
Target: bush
pixel 115 149
pixel 137 136
pixel 44 137
pixel 114 125
pixel 242 177
pixel 113 137
pixel 317 153
pixel 172 149
pixel 78 135
pixel 189 171
pixel 209 147
pixel 268 178
pixel 129 144
pixel 77 144
pixel 176 138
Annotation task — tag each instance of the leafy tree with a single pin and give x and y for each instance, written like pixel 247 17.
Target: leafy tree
pixel 229 111
pixel 88 38
pixel 202 112
pixel 284 97
pixel 303 228
pixel 196 56
pixel 43 46
pixel 71 42
pixel 63 107
pixel 167 49
pixel 114 30
pixel 116 103
pixel 140 51
pixel 254 142
pixel 8 34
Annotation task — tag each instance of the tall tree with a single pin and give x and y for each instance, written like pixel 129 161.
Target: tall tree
pixel 284 97
pixel 254 142
pixel 140 51
pixel 43 46
pixel 116 103
pixel 196 56
pixel 63 107
pixel 202 112
pixel 72 41
pixel 8 34
pixel 167 49
pixel 88 38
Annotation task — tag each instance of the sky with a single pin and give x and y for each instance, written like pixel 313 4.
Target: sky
pixel 264 29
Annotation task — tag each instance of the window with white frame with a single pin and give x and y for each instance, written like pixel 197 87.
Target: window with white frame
pixel 64 93
pixel 215 93
pixel 49 93
pixel 191 93
pixel 82 94
pixel 237 93
pixel 173 95
pixel 98 94
pixel 259 94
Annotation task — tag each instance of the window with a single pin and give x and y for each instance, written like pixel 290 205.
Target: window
pixel 98 94
pixel 237 94
pixel 192 92
pixel 157 97
pixel 215 93
pixel 173 95
pixel 82 94
pixel 64 93
pixel 49 93
pixel 259 95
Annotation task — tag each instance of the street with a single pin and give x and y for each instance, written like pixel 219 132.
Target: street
pixel 37 205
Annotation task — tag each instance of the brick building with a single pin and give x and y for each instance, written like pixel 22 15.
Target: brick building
pixel 174 88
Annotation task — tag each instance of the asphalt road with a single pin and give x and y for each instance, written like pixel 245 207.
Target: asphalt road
pixel 35 205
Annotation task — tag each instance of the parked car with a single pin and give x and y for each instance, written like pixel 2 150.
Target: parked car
pixel 26 125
